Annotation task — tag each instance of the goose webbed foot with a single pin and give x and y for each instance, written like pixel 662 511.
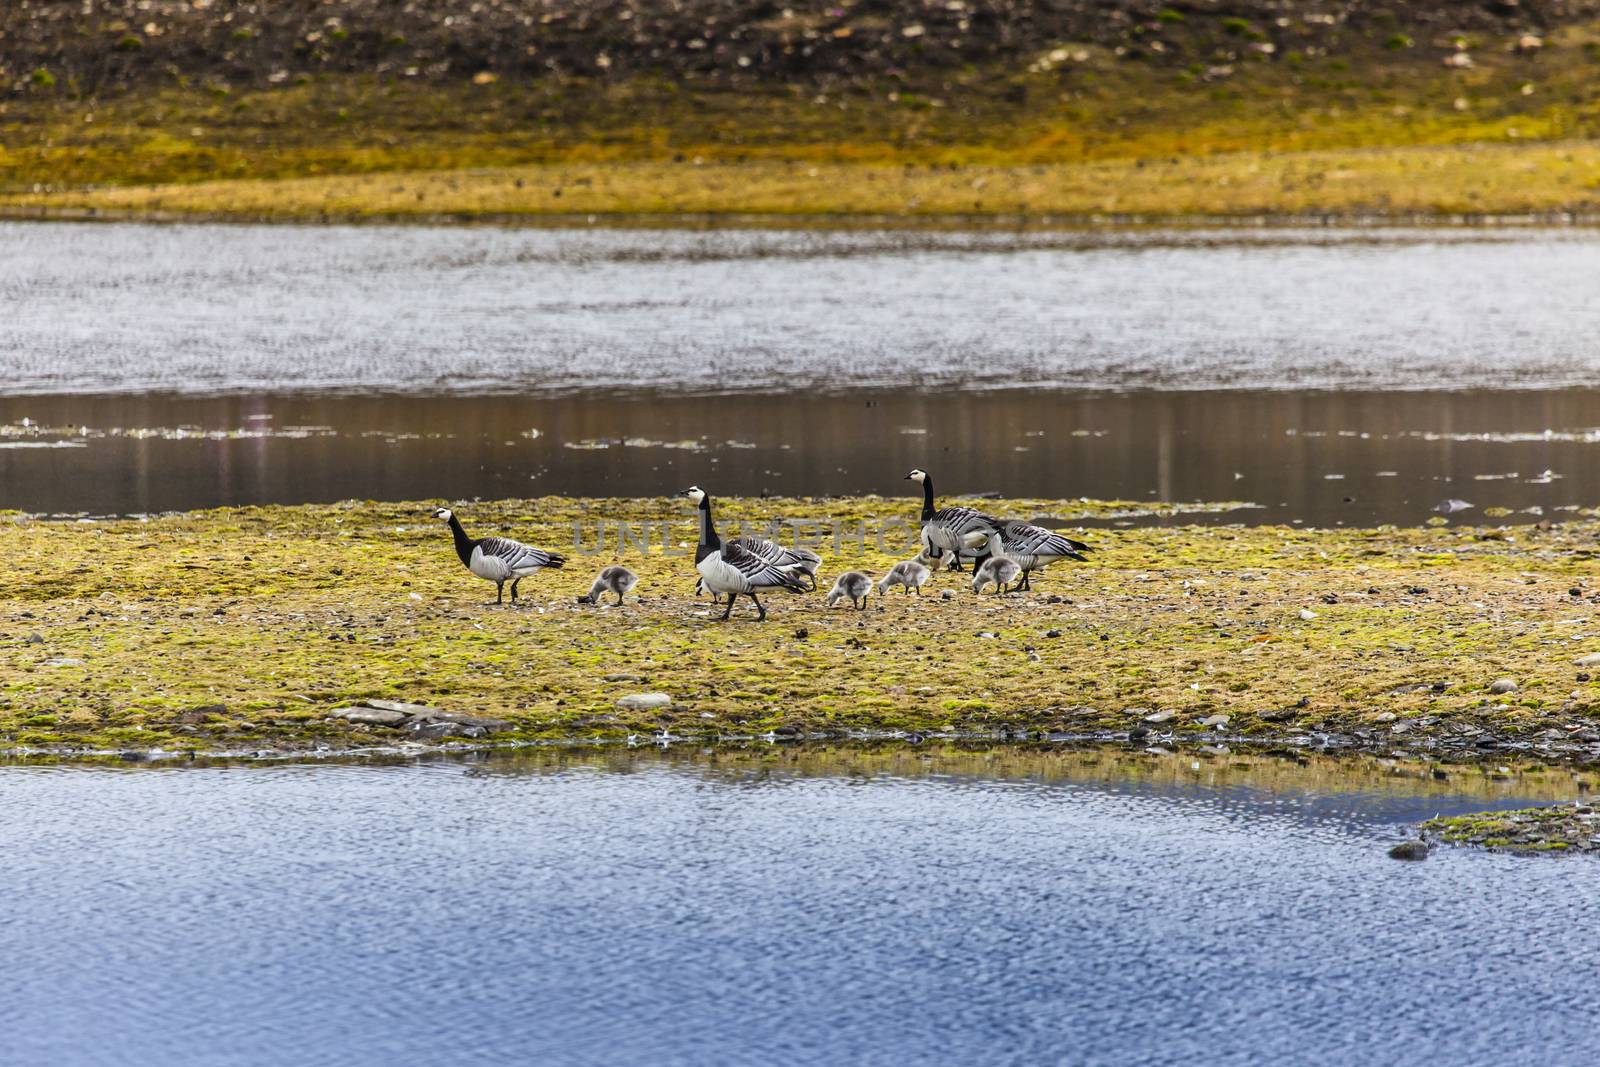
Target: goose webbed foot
pixel 729 609
pixel 499 592
pixel 619 600
pixel 514 590
pixel 761 611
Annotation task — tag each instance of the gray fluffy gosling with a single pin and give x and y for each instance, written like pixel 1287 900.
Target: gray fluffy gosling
pixel 852 584
pixel 996 570
pixel 910 575
pixel 616 580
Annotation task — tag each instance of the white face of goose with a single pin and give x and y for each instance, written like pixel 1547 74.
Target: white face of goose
pixel 443 514
pixel 695 493
pixel 919 476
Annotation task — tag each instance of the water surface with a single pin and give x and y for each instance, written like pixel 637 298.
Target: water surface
pixel 636 908
pixel 1326 375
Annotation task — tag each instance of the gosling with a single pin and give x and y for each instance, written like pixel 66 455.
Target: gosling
pixel 616 580
pixel 998 571
pixel 852 584
pixel 910 575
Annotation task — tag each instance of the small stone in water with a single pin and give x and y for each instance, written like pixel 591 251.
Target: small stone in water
pixel 1409 850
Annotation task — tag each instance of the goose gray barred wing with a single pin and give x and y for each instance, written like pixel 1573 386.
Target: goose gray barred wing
pixel 1026 539
pixel 517 556
pixel 757 571
pixel 773 552
pixel 955 529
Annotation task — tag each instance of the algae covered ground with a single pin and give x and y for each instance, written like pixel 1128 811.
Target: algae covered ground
pixel 242 629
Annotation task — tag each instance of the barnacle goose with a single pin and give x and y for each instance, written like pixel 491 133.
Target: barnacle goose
pixel 852 584
pixel 498 559
pixel 802 561
pixel 909 575
pixel 729 568
pixel 999 569
pixel 616 580
pixel 953 530
pixel 1034 548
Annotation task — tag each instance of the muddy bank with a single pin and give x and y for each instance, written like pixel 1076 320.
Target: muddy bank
pixel 250 629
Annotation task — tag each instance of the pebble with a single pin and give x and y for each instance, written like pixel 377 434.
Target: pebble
pixel 1214 720
pixel 371 716
pixel 1163 715
pixel 1307 614
pixel 1409 850
pixel 1503 685
pixel 1591 660
pixel 645 701
pixel 1052 633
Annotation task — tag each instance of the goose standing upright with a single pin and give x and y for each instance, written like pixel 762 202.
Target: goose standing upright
pixel 802 561
pixel 498 559
pixel 728 567
pixel 953 530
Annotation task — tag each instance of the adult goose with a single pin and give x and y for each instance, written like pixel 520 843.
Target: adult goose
pixel 802 561
pixel 1034 548
pixel 728 568
pixel 950 530
pixel 498 559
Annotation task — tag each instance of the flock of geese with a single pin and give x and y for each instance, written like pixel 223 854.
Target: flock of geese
pixel 1004 554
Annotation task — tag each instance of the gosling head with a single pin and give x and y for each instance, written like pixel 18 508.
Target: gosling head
pixel 917 475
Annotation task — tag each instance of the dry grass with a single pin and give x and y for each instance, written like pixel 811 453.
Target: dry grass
pixel 1364 134
pixel 1464 179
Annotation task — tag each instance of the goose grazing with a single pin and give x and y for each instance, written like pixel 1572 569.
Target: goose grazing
pixel 616 580
pixel 1034 548
pixel 909 575
pixel 498 559
pixel 952 530
pixel 998 570
pixel 730 568
pixel 852 584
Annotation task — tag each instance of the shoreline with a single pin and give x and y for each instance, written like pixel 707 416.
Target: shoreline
pixel 844 222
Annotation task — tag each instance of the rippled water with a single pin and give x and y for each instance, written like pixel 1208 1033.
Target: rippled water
pixel 1326 376
pixel 239 309
pixel 652 910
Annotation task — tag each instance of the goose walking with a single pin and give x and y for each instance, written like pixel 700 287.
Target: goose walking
pixel 1034 548
pixel 498 559
pixel 954 530
pixel 729 568
pixel 998 570
pixel 852 584
pixel 616 580
pixel 802 561
pixel 910 575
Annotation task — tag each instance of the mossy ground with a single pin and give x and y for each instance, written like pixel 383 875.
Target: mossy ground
pixel 1371 131
pixel 245 627
pixel 1532 831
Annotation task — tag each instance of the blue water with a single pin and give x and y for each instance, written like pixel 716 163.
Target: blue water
pixel 673 912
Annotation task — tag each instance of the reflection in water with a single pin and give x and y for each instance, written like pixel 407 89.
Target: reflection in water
pixel 793 906
pixel 1320 458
